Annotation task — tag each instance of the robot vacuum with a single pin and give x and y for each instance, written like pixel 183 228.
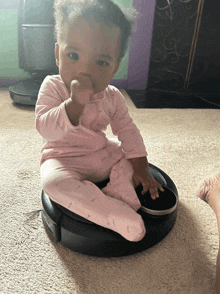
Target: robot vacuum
pixel 25 92
pixel 83 236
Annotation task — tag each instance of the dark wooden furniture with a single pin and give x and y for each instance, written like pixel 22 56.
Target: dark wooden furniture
pixel 185 56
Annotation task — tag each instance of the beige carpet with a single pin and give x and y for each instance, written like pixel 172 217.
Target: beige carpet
pixel 184 143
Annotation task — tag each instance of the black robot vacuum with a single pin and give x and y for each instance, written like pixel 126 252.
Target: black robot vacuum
pixel 83 236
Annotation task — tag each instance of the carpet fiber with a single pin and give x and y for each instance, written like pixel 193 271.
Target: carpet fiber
pixel 182 142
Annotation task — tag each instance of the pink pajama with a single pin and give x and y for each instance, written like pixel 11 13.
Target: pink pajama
pixel 69 182
pixel 76 157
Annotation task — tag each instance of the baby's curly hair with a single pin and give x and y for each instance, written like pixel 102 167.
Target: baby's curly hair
pixel 101 10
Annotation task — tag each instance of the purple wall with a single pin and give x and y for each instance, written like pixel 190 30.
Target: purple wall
pixel 140 47
pixel 139 56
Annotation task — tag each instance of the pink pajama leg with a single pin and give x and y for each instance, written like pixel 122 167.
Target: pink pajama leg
pixel 71 190
pixel 121 185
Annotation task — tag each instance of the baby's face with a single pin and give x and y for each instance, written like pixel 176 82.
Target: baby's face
pixel 88 50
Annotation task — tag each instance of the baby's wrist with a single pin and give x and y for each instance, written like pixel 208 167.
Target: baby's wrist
pixel 139 163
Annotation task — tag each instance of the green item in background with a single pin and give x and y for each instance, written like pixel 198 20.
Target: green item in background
pixel 9 67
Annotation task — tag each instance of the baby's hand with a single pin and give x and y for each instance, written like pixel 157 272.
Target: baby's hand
pixel 148 182
pixel 81 90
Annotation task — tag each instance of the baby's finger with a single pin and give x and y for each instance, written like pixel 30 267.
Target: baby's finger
pixel 154 192
pixel 145 186
pixel 160 187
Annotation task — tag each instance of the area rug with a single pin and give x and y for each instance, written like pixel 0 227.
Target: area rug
pixel 182 142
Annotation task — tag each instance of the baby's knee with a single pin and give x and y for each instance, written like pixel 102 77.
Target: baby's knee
pixel 122 171
pixel 49 182
pixel 47 185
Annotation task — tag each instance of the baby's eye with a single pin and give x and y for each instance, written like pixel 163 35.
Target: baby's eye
pixel 73 56
pixel 102 63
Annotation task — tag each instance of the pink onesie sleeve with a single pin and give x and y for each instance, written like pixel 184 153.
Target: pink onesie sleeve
pixel 123 126
pixel 52 121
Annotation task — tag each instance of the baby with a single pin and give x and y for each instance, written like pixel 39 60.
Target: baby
pixel 74 109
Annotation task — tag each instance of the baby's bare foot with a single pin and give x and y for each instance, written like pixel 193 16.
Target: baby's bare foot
pixel 209 188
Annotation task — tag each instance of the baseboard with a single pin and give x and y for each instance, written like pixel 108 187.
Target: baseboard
pixel 160 99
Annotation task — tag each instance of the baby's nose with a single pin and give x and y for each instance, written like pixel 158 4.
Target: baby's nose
pixel 85 79
pixel 86 68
